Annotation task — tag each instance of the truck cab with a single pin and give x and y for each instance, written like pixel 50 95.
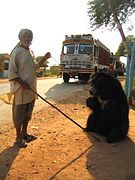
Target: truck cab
pixel 80 57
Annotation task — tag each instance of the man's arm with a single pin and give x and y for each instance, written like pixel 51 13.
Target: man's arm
pixel 22 83
pixel 46 56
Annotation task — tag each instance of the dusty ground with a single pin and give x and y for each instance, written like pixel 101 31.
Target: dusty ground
pixel 63 151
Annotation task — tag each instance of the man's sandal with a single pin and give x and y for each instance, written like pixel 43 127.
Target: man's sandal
pixel 20 143
pixel 28 138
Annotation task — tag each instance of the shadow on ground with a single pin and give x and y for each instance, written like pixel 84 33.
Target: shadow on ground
pixel 111 161
pixel 7 158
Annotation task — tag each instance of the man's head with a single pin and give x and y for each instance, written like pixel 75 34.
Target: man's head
pixel 25 36
pixel 94 78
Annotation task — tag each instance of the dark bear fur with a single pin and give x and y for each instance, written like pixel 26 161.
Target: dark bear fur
pixel 109 107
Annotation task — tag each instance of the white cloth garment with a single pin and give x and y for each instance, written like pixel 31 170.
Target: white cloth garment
pixel 22 66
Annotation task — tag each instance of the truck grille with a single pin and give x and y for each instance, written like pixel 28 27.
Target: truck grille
pixel 76 63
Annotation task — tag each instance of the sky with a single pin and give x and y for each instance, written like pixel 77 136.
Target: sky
pixel 50 21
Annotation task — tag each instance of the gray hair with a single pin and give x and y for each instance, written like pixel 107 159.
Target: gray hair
pixel 23 31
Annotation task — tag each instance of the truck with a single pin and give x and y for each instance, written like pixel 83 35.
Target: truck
pixel 82 55
pixel 119 68
pixel 116 68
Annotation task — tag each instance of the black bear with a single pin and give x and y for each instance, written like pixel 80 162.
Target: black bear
pixel 109 107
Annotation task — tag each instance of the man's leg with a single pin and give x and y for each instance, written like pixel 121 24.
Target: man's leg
pixel 17 120
pixel 24 128
pixel 28 112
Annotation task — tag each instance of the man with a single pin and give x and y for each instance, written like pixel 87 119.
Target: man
pixel 22 77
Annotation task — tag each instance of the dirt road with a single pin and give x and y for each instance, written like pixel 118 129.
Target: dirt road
pixel 63 151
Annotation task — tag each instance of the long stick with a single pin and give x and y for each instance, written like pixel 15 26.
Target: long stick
pixel 58 110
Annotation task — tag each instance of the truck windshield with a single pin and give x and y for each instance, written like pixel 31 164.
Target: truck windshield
pixel 69 49
pixel 85 49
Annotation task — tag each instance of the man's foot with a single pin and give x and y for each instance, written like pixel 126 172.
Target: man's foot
pixel 20 143
pixel 28 138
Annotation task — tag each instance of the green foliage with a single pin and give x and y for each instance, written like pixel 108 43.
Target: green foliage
pixel 47 72
pixel 121 49
pixel 53 71
pixel 100 14
pixel 38 58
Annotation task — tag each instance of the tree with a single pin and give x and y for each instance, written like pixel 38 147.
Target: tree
pixel 38 58
pixel 100 12
pixel 121 48
pixel 42 69
pixel 111 13
pixel 114 13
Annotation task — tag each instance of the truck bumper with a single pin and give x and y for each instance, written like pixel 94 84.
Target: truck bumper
pixel 75 72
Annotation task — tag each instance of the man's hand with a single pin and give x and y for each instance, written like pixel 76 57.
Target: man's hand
pixel 22 83
pixel 47 56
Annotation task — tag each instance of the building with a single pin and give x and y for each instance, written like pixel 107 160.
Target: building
pixel 4 63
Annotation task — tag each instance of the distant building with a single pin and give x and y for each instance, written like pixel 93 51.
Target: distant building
pixel 4 64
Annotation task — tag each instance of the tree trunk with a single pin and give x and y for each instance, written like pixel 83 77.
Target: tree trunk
pixel 120 29
pixel 128 68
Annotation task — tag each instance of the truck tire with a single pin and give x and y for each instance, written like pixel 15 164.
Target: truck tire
pixel 66 77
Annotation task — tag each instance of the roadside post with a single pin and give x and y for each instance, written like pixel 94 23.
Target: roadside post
pixel 127 70
pixel 131 78
pixel 127 76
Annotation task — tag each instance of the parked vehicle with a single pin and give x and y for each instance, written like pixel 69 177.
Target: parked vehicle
pixel 119 68
pixel 82 55
pixel 116 68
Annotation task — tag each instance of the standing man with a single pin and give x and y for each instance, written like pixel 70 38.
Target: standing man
pixel 22 77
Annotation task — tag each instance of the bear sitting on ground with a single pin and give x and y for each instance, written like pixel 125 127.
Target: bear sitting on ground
pixel 109 107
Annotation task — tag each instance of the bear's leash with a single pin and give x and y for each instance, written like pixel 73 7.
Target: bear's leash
pixel 64 114
pixel 58 109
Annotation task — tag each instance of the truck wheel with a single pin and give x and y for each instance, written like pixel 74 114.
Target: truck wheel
pixel 66 77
